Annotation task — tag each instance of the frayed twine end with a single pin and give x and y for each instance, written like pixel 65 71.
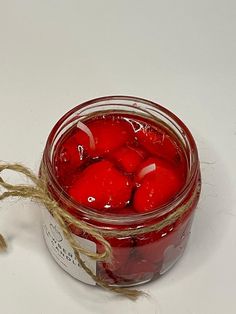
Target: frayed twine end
pixel 3 244
pixel 134 294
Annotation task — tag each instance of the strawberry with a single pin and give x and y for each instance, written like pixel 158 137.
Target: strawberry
pixel 68 158
pixel 128 157
pixel 101 186
pixel 107 135
pixel 156 187
pixel 158 142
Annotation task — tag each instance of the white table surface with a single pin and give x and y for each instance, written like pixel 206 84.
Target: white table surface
pixel 55 54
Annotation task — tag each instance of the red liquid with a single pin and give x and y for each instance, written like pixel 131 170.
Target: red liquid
pixel 108 176
pixel 128 166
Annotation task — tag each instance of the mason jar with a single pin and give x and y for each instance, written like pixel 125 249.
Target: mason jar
pixel 138 257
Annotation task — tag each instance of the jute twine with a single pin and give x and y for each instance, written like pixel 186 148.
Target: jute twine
pixel 38 191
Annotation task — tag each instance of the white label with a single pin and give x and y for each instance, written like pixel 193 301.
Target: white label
pixel 63 253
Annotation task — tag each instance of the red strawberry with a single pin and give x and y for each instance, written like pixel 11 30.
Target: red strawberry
pixel 156 187
pixel 101 186
pixel 158 142
pixel 68 158
pixel 107 135
pixel 128 157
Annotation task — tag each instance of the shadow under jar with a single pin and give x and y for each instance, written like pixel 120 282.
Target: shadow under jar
pixel 124 163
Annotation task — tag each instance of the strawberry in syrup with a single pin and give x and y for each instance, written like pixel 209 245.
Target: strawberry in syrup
pixel 158 142
pixel 70 156
pixel 128 157
pixel 101 186
pixel 157 185
pixel 102 136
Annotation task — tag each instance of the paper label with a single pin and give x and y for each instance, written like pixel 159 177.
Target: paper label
pixel 63 253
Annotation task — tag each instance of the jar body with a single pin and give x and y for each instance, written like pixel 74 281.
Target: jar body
pixel 137 258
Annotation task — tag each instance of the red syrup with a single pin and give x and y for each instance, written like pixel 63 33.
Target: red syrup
pixel 116 162
pixel 126 165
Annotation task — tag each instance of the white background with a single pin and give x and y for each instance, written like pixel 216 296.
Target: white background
pixel 55 54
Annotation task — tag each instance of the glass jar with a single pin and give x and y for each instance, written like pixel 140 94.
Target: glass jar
pixel 136 258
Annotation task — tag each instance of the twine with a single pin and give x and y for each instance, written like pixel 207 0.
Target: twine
pixel 3 244
pixel 38 192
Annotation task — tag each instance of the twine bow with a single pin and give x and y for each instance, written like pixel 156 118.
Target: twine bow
pixel 38 191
